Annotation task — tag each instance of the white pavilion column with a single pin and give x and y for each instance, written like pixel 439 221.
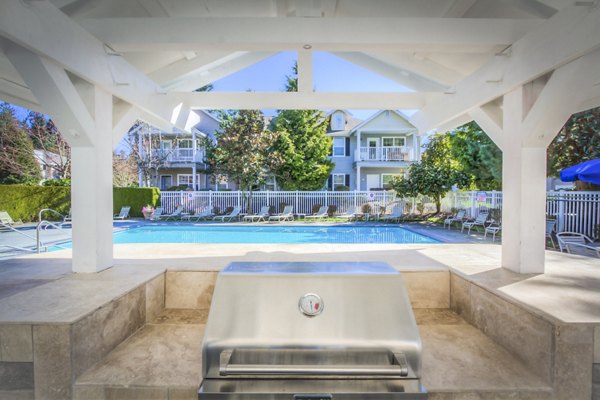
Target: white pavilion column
pixel 92 193
pixel 524 193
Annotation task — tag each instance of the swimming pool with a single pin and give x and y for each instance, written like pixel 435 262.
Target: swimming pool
pixel 268 234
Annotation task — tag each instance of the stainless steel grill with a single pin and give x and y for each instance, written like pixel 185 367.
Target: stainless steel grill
pixel 311 331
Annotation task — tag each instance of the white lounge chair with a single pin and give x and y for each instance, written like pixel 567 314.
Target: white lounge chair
pixel 6 221
pixel 262 214
pixel 157 215
pixel 395 215
pixel 350 214
pixel 174 215
pixel 479 221
pixel 320 214
pixel 573 241
pixel 493 229
pixel 458 217
pixel 287 214
pixel 235 213
pixel 204 214
pixel 123 214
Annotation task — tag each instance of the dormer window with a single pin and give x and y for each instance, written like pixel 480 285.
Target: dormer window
pixel 337 121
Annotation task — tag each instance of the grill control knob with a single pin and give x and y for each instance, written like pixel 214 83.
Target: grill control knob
pixel 311 305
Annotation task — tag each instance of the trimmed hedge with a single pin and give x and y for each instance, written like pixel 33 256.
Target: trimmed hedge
pixel 136 198
pixel 24 202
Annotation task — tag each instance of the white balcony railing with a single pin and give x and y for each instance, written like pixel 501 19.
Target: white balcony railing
pixel 387 153
pixel 180 155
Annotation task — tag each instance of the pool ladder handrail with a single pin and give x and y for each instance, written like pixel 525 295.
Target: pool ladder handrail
pixel 43 224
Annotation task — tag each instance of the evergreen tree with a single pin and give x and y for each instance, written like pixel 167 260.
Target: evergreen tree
pixel 477 156
pixel 242 150
pixel 302 145
pixel 17 160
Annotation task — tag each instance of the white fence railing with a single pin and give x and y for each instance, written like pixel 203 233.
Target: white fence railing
pixel 574 211
pixel 395 153
pixel 303 202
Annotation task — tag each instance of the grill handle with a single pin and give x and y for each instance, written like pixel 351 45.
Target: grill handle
pixel 398 368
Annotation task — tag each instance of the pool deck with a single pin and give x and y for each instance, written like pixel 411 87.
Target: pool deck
pixel 531 313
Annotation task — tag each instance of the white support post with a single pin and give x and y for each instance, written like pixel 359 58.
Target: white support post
pixel 194 151
pixel 524 191
pixel 92 193
pixel 357 177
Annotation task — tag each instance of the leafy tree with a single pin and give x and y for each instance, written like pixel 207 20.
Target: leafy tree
pixel 125 171
pixel 17 162
pixel 577 141
pixel 303 146
pixel 242 150
pixel 55 151
pixel 477 156
pixel 435 175
pixel 142 143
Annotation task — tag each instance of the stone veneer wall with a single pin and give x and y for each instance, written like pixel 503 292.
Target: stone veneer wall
pixel 562 354
pixel 54 355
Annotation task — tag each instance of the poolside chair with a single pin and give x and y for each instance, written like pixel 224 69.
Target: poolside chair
pixel 350 214
pixel 395 215
pixel 157 214
pixel 494 228
pixel 570 241
pixel 204 214
pixel 481 220
pixel 7 221
pixel 124 214
pixel 174 215
pixel 320 214
pixel 235 213
pixel 550 228
pixel 458 217
pixel 286 214
pixel 583 249
pixel 262 214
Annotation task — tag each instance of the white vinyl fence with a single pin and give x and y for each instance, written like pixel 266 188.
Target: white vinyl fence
pixel 303 202
pixel 574 211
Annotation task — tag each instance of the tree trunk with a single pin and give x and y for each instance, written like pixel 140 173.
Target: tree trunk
pixel 438 204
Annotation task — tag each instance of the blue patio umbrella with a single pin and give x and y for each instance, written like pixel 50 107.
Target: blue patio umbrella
pixel 588 171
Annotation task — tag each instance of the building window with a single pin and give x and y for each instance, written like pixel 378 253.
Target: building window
pixel 337 121
pixel 386 179
pixel 221 183
pixel 339 147
pixel 339 180
pixel 394 142
pixel 187 180
pixel 270 184
pixel 184 143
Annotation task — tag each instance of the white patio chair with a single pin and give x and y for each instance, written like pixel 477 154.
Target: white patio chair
pixel 174 215
pixel 479 221
pixel 235 213
pixel 123 214
pixel 493 229
pixel 262 214
pixel 320 214
pixel 395 215
pixel 350 214
pixel 567 238
pixel 198 215
pixel 286 215
pixel 458 217
pixel 157 214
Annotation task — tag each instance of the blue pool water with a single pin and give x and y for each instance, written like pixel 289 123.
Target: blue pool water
pixel 269 234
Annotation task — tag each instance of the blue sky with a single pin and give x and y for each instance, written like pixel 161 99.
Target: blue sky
pixel 330 74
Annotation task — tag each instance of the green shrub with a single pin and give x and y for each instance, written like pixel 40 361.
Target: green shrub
pixel 136 198
pixel 24 202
